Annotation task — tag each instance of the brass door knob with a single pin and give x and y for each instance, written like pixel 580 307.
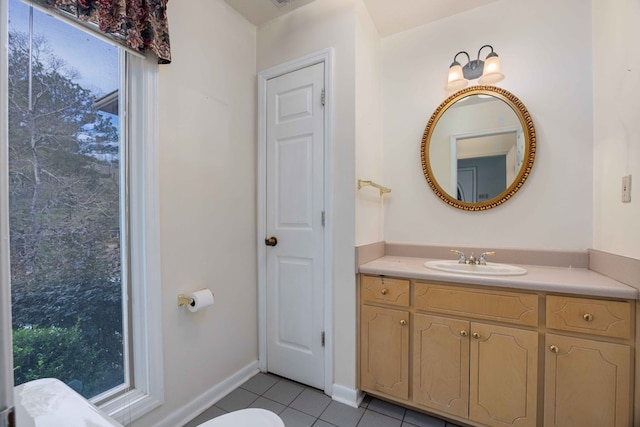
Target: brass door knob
pixel 463 333
pixel 588 317
pixel 403 322
pixel 475 335
pixel 271 241
pixel 554 349
pixel 384 291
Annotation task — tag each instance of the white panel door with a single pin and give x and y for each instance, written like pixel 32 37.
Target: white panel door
pixel 295 203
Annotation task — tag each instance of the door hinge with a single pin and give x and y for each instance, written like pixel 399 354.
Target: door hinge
pixel 322 218
pixel 322 338
pixel 322 97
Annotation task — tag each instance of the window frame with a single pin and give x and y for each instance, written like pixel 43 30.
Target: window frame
pixel 139 127
pixel 139 118
pixel 6 349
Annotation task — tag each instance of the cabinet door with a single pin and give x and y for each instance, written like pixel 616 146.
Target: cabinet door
pixel 503 376
pixel 384 351
pixel 587 383
pixel 441 363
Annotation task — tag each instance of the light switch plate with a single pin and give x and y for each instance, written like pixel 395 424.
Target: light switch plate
pixel 626 189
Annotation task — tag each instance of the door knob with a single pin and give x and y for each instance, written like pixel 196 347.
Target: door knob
pixel 271 241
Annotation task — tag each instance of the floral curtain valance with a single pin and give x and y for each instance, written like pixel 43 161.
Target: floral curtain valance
pixel 139 24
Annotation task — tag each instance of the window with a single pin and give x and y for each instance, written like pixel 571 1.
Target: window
pixel 83 213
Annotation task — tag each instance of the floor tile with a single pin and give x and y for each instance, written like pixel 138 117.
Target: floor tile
pixel 311 402
pixel 210 413
pixel 293 418
pixel 375 419
pixel 321 423
pixel 422 420
pixel 260 383
pixel 342 415
pixel 283 392
pixel 386 408
pixel 237 399
pixel 264 403
pixel 365 401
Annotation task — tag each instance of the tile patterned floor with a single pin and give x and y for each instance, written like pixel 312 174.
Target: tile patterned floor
pixel 302 406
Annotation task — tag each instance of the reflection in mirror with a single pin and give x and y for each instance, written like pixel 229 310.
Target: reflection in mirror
pixel 478 148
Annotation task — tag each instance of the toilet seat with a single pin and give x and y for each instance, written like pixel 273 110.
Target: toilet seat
pixel 250 417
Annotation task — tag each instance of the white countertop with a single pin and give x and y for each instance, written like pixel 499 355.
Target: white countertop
pixel 580 281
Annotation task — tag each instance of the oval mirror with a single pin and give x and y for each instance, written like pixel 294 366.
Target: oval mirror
pixel 478 148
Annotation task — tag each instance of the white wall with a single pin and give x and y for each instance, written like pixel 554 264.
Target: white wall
pixel 546 54
pixel 316 26
pixel 369 202
pixel 207 199
pixel 616 31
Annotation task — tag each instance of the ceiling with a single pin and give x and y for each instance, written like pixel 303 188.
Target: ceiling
pixel 389 16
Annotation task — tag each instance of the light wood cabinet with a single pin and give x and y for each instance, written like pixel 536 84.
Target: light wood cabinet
pixel 589 316
pixel 587 380
pixel 384 351
pixel 587 384
pixel 495 357
pixel 504 376
pixel 485 373
pixel 441 363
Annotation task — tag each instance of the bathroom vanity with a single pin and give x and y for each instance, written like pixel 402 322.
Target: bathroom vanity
pixel 554 347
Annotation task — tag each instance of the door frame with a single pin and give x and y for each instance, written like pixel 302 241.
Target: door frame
pixel 324 56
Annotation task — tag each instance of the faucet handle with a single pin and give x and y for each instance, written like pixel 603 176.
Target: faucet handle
pixel 483 255
pixel 461 258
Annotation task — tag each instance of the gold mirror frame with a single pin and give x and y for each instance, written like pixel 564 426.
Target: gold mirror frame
pixel 529 153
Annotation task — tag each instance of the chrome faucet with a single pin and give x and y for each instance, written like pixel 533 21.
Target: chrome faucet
pixel 472 260
pixel 482 260
pixel 461 258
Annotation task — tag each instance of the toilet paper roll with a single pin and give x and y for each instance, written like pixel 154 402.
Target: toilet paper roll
pixel 201 299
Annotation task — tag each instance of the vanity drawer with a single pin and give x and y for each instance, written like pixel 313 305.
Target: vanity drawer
pixel 512 307
pixel 589 316
pixel 385 290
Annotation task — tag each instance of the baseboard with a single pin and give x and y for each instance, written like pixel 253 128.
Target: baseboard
pixel 209 397
pixel 348 396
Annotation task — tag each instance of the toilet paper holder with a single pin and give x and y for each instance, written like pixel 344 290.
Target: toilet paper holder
pixel 197 300
pixel 185 300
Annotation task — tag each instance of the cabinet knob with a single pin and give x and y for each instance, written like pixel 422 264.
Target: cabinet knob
pixel 384 291
pixel 588 317
pixel 554 349
pixel 403 322
pixel 463 333
pixel 475 335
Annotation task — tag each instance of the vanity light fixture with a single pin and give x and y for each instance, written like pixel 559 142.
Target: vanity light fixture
pixel 487 70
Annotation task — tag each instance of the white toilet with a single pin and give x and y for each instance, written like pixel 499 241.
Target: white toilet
pixel 251 417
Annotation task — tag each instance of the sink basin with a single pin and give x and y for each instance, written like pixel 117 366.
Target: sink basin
pixel 490 269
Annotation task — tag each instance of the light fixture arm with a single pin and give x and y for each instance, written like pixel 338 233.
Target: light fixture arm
pixel 455 62
pixel 459 75
pixel 480 50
